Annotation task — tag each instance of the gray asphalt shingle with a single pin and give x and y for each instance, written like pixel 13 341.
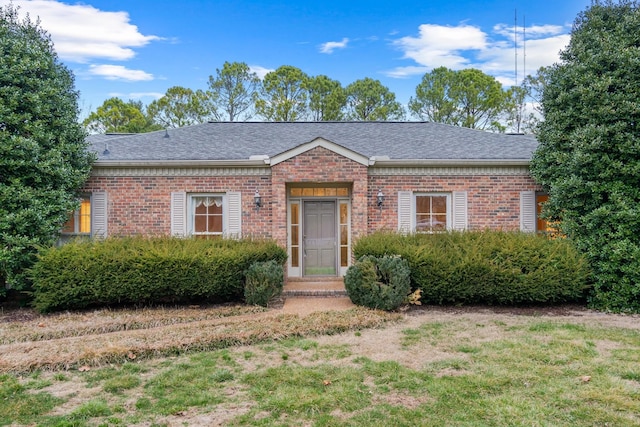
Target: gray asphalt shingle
pixel 240 140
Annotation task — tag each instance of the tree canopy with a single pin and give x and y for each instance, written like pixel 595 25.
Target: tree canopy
pixel 179 107
pixel 232 92
pixel 43 156
pixel 467 98
pixel 589 154
pixel 370 100
pixel 283 95
pixel 117 116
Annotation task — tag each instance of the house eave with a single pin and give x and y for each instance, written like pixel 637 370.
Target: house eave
pixel 180 163
pixel 403 163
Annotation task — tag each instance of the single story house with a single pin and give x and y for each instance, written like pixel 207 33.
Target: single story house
pixel 315 187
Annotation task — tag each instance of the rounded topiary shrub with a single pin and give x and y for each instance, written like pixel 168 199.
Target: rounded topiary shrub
pixel 264 281
pixel 378 282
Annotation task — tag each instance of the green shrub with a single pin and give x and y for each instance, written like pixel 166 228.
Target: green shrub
pixel 264 281
pixel 488 267
pixel 138 270
pixel 378 282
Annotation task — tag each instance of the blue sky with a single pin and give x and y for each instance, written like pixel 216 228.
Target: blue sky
pixel 137 49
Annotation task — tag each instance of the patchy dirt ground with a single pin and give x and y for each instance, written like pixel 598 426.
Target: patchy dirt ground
pixel 378 344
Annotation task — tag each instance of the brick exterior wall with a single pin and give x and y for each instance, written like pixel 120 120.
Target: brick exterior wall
pixel 141 204
pixel 493 201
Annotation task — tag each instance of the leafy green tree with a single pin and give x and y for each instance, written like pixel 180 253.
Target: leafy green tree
pixel 327 99
pixel 117 116
pixel 524 108
pixel 283 95
pixel 589 153
pixel 467 98
pixel 180 107
pixel 433 101
pixel 232 92
pixel 370 100
pixel 43 154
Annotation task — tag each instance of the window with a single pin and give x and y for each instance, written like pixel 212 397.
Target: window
pixel 206 216
pixel 90 220
pixel 79 222
pixel 432 213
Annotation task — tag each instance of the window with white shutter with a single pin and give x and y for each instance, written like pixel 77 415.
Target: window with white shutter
pixel 432 212
pixel 207 216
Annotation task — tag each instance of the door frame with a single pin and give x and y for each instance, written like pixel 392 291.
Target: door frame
pixel 297 270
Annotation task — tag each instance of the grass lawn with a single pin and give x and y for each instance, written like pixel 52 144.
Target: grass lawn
pixel 245 366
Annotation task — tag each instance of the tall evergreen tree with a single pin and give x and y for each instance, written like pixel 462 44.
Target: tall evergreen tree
pixel 589 154
pixel 43 157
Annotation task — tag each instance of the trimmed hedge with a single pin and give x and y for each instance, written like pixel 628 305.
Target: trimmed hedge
pixel 489 267
pixel 381 283
pixel 139 270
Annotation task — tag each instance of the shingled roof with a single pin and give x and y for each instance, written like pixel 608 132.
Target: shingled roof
pixel 238 141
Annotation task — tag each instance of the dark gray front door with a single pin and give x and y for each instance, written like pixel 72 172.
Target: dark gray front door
pixel 319 238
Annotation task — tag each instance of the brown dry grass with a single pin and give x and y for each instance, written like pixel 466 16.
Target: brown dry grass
pixel 73 340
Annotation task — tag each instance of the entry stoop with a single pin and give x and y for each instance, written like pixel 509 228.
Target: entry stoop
pixel 314 287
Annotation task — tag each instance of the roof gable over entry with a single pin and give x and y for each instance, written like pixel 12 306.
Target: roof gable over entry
pixel 319 142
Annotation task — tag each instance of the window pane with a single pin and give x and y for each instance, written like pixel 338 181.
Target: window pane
pixel 344 213
pixel 200 224
pixel 344 235
pixel 296 192
pixel 344 256
pixel 215 224
pixel 201 208
pixel 294 235
pixel 342 192
pixel 215 208
pixel 85 216
pixel 307 191
pixel 294 213
pixel 423 204
pixel 439 222
pixel 295 257
pixel 439 204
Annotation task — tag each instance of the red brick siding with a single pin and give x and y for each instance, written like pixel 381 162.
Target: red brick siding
pixel 142 205
pixel 493 201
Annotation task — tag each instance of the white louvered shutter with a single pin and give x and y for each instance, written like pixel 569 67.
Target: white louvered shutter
pixel 405 211
pixel 528 211
pixel 234 214
pixel 99 208
pixel 459 206
pixel 179 214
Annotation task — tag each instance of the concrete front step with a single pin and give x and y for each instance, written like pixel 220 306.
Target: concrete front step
pixel 314 288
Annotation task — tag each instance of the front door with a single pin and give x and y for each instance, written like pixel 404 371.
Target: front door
pixel 319 238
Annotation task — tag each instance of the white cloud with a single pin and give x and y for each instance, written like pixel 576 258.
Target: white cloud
pixel 402 72
pixel 439 45
pixel 119 72
pixel 466 46
pixel 329 47
pixel 260 71
pixel 81 32
pixel 138 95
